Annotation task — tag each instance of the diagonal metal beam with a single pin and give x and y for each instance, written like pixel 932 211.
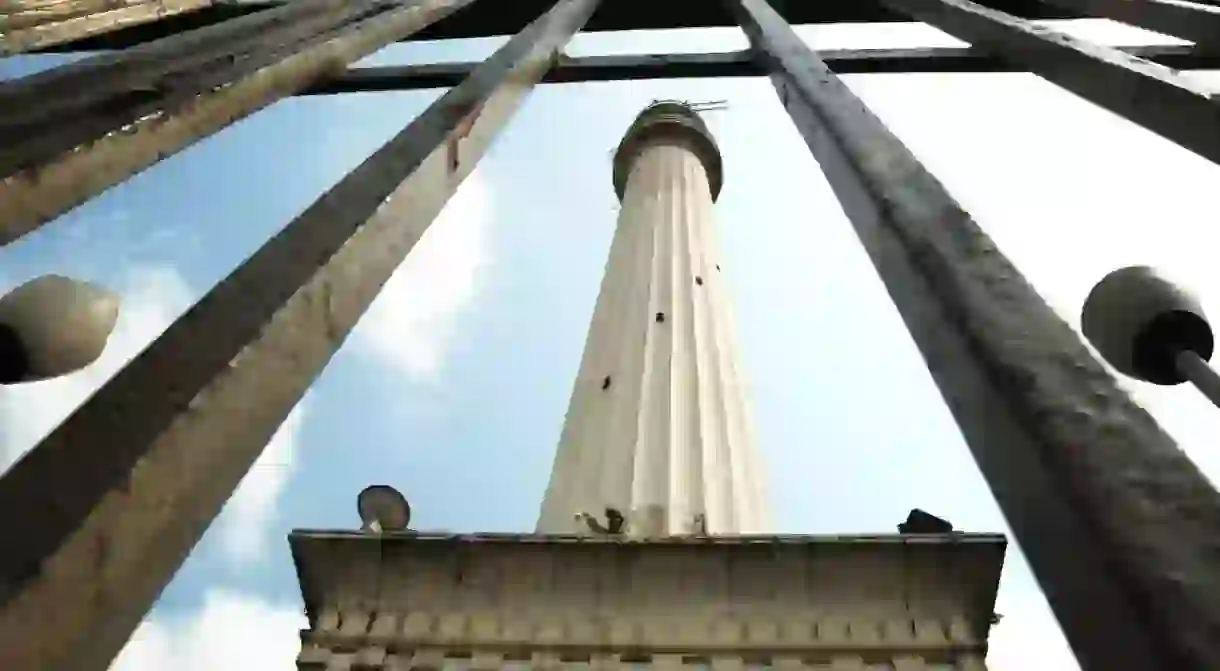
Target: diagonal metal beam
pixel 202 42
pixel 73 28
pixel 17 14
pixel 169 117
pixel 43 121
pixel 50 98
pixel 1148 94
pixel 1198 23
pixel 1119 525
pixel 727 64
pixel 613 16
pixel 169 438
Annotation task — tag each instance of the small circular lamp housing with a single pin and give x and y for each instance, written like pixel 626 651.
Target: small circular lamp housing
pixel 383 508
pixel 52 326
pixel 1140 323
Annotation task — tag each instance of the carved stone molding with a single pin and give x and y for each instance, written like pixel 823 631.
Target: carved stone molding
pixel 396 601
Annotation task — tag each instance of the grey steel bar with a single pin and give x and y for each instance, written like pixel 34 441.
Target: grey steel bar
pixel 51 107
pixel 78 27
pixel 43 122
pixel 195 42
pixel 728 64
pixel 40 192
pixel 16 14
pixel 1118 525
pixel 1194 368
pixel 1151 95
pixel 169 438
pixel 617 15
pixel 1190 21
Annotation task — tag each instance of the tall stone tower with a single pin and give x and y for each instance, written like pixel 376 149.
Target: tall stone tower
pixel 657 434
pixel 658 425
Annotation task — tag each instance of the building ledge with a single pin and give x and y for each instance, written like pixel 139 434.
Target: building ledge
pixel 605 594
pixel 298 536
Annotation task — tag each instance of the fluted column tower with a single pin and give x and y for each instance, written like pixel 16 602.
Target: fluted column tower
pixel 658 425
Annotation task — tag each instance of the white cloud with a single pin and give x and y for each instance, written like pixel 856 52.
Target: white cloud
pixel 411 324
pixel 244 522
pixel 231 631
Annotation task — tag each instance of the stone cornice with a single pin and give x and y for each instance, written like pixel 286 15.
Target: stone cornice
pixel 530 580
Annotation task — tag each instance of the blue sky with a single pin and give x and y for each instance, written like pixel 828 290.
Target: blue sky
pixel 453 387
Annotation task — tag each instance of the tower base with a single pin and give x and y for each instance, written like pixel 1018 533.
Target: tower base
pixel 490 601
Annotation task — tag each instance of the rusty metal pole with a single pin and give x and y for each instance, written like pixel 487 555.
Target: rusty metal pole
pixel 114 499
pixel 54 29
pixel 1118 524
pixel 1165 102
pixel 34 194
pixel 53 112
pixel 210 42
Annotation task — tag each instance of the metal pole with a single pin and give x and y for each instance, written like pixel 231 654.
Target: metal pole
pixel 1118 525
pixel 1195 22
pixel 198 42
pixel 1194 368
pixel 1165 102
pixel 53 115
pixel 617 16
pixel 114 499
pixel 731 64
pixel 73 28
pixel 35 194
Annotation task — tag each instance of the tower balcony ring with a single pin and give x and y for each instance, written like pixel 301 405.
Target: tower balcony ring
pixel 674 124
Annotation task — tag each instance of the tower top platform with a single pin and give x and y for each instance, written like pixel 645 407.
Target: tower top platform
pixel 674 123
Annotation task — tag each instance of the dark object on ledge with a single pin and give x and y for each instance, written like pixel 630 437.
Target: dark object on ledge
pixel 919 522
pixel 615 523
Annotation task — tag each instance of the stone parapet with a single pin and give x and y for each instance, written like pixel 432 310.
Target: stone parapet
pixel 397 600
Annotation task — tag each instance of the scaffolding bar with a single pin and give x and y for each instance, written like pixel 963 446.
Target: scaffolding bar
pixel 56 111
pixel 170 437
pixel 1189 21
pixel 203 41
pixel 18 14
pixel 1155 97
pixel 727 64
pixel 613 16
pixel 79 27
pixel 1117 523
pixel 50 173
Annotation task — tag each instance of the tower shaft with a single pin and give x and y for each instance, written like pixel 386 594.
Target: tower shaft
pixel 658 425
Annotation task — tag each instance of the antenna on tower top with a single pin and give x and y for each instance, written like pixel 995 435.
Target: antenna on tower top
pixel 709 106
pixel 694 106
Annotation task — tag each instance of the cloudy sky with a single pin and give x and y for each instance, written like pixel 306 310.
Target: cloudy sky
pixel 457 380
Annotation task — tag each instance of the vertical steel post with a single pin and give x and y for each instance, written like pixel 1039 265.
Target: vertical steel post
pixel 169 438
pixel 1118 525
